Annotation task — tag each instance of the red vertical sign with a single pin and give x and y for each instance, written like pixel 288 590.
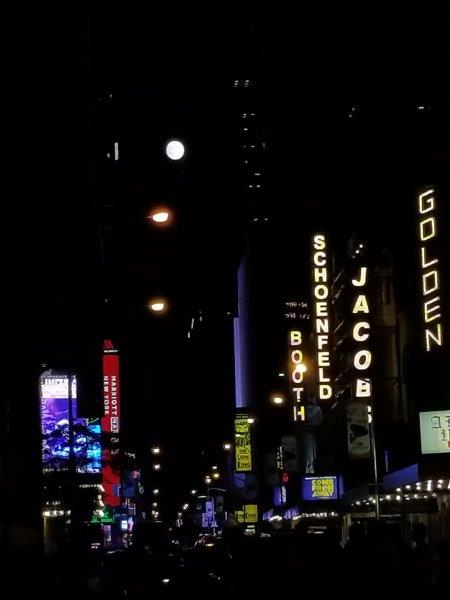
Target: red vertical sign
pixel 111 393
pixel 111 425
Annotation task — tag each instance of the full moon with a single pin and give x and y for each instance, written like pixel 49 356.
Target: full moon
pixel 175 150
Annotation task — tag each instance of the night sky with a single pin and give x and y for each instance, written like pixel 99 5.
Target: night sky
pixel 339 91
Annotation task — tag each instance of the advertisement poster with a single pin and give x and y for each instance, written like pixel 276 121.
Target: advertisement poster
pixel 435 431
pixel 328 487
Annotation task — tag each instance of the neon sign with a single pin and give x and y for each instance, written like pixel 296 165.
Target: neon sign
pixel 297 373
pixel 430 275
pixel 321 294
pixel 362 358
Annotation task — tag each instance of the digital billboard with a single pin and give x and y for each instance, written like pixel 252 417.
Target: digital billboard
pixel 327 487
pixel 66 437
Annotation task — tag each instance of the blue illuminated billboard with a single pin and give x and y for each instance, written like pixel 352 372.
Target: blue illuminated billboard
pixel 328 487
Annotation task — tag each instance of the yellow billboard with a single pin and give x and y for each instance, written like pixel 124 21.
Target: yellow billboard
pixel 251 513
pixel 243 444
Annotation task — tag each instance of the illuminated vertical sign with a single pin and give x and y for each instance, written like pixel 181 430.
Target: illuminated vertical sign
pixel 297 371
pixel 242 444
pixel 429 267
pixel 321 293
pixel 362 357
pixel 359 409
pixel 110 424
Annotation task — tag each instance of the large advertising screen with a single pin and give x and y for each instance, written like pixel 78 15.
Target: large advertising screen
pixel 68 441
pixel 328 487
pixel 435 431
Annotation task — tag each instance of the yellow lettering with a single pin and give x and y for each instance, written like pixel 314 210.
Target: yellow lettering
pixel 360 337
pixel 427 229
pixel 427 311
pixel 319 242
pixel 325 392
pixel 296 356
pixel 323 359
pixel 322 325
pixel 322 377
pixel 433 275
pixel 320 275
pixel 362 278
pixel 361 305
pixel 426 201
pixel 296 338
pixel 425 263
pixel 363 388
pixel 321 292
pixel 362 360
pixel 435 337
pixel 321 309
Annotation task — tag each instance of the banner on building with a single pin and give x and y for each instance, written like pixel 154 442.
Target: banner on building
pixel 358 433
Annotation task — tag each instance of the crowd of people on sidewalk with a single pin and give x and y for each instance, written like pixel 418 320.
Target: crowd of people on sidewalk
pixel 377 562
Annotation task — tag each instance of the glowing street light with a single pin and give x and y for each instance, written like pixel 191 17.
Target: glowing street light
pixel 207 480
pixel 175 150
pixel 155 492
pixel 157 467
pixel 227 446
pixel 155 504
pixel 277 399
pixel 156 450
pixel 157 305
pixel 216 475
pixel 161 216
pixel 193 492
pixel 214 467
pixel 250 420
